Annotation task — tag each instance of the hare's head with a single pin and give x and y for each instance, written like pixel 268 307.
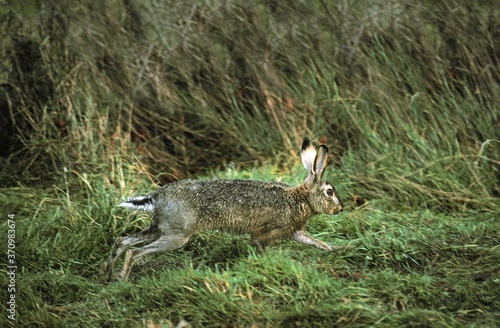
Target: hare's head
pixel 323 197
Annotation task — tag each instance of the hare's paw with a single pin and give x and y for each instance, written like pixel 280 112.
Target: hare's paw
pixel 302 237
pixel 326 247
pixel 104 275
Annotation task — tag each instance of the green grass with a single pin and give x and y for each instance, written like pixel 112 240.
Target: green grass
pixel 406 268
pixel 101 100
pixel 181 84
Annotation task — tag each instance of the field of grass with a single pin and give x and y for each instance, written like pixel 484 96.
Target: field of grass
pixel 102 100
pixel 414 268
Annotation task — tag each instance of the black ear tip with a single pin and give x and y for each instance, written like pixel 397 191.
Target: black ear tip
pixel 325 148
pixel 306 142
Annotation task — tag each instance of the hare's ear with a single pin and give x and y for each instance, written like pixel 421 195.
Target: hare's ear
pixel 308 154
pixel 320 161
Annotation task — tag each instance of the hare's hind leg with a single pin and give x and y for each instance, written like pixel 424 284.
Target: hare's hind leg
pixel 122 244
pixel 164 243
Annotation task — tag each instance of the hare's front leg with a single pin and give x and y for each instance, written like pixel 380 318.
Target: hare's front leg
pixel 302 237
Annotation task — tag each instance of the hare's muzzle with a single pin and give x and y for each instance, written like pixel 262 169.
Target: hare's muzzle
pixel 334 210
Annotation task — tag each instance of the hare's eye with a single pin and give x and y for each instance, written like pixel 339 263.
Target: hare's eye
pixel 329 192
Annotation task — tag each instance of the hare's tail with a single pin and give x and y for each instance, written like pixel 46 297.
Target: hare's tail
pixel 141 203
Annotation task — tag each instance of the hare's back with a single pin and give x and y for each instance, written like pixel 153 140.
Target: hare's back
pixel 242 191
pixel 223 190
pixel 227 204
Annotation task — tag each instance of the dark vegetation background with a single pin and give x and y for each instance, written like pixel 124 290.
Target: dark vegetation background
pixel 99 97
pixel 190 87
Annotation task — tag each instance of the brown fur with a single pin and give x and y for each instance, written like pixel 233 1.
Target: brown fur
pixel 267 211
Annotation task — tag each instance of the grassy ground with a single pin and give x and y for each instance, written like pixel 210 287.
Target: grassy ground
pixel 407 268
pixel 101 100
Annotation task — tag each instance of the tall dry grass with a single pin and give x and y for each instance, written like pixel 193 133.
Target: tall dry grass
pixel 405 93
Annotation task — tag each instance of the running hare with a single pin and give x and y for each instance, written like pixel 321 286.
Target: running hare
pixel 267 211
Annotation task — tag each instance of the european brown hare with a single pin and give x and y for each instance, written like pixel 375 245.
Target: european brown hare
pixel 267 211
